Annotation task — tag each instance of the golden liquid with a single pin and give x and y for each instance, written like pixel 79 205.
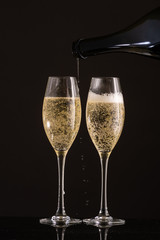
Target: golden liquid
pixel 61 120
pixel 105 123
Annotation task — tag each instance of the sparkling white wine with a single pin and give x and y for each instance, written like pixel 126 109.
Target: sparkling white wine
pixel 61 119
pixel 105 119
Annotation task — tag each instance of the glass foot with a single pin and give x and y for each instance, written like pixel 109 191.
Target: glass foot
pixel 103 221
pixel 60 221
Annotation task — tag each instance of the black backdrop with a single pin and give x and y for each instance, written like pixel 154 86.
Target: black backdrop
pixel 35 42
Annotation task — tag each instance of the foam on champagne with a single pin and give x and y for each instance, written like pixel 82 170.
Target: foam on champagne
pixel 107 97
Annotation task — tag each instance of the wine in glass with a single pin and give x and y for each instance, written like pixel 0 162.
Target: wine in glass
pixel 105 114
pixel 61 120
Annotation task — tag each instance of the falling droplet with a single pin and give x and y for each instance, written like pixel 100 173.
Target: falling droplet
pixel 82 157
pixel 83 167
pixel 80 139
pixel 87 202
pixel 85 180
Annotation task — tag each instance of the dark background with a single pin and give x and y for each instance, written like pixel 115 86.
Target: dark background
pixel 35 42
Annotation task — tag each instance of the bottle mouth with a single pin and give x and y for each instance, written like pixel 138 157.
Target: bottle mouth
pixel 76 49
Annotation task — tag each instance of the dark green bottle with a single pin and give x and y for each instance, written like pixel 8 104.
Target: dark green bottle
pixel 142 37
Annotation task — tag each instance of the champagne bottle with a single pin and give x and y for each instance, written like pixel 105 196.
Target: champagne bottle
pixel 142 37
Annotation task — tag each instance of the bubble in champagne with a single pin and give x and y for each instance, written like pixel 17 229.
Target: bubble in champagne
pixel 105 118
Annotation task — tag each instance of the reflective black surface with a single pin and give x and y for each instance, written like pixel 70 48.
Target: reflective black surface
pixel 143 37
pixel 30 228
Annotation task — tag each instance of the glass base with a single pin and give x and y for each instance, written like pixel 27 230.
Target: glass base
pixel 103 221
pixel 60 221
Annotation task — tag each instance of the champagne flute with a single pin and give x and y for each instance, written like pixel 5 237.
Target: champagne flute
pixel 105 114
pixel 61 120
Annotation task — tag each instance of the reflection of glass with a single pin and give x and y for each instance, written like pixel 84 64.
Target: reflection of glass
pixel 60 233
pixel 103 232
pixel 105 118
pixel 61 120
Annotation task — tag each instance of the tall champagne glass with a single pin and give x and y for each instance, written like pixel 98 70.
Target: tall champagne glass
pixel 105 118
pixel 61 120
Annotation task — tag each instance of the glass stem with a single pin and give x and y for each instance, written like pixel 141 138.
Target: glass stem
pixel 61 157
pixel 104 167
